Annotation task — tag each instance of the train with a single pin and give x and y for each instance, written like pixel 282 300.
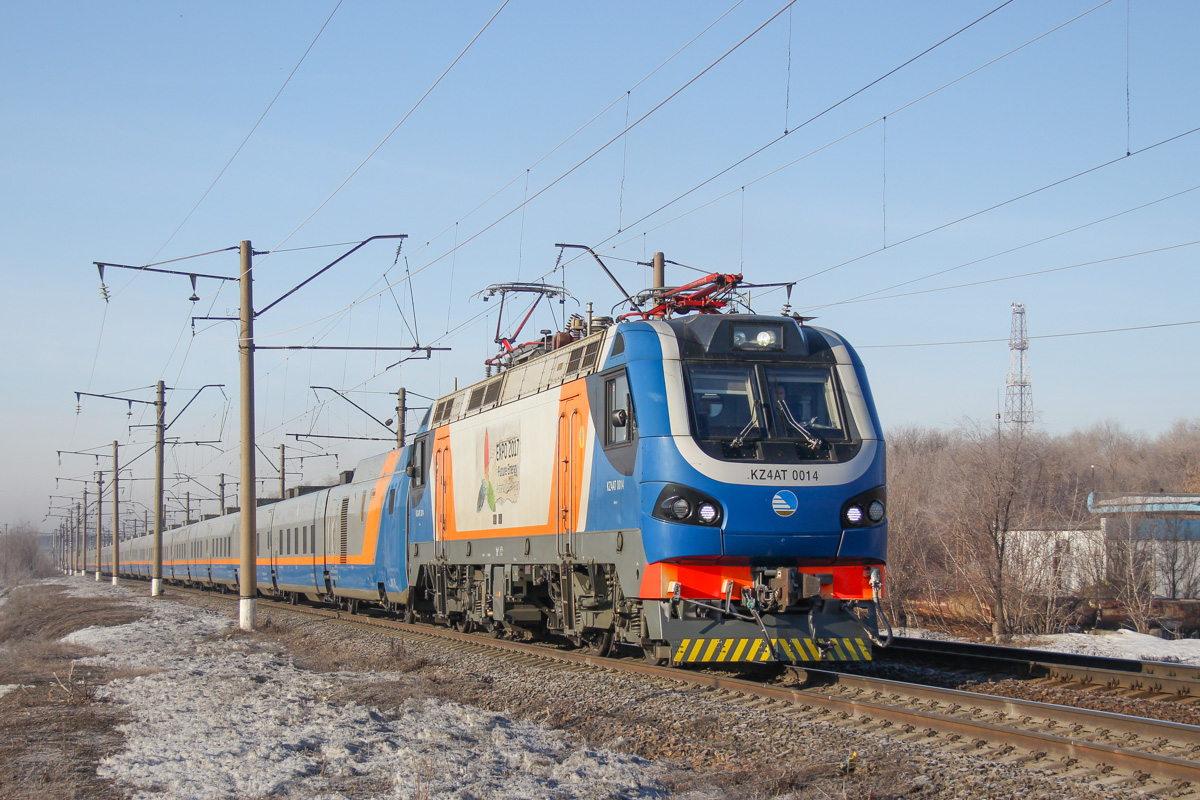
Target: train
pixel 690 480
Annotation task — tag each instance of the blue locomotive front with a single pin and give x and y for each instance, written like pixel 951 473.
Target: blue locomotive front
pixel 762 490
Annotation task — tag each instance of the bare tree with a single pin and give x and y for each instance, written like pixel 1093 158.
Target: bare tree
pixel 917 574
pixel 1131 569
pixel 22 556
pixel 1000 517
pixel 1176 560
pixel 991 495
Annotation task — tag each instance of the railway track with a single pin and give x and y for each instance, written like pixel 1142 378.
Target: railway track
pixel 1161 757
pixel 1152 679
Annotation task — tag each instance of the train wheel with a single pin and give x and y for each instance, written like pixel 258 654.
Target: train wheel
pixel 653 656
pixel 410 616
pixel 599 643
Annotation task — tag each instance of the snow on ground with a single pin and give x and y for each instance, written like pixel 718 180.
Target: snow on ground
pixel 216 718
pixel 1118 644
pixel 1108 644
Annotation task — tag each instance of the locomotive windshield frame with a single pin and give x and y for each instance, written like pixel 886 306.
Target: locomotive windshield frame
pixel 769 411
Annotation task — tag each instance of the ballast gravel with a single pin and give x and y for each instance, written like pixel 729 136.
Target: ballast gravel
pixel 349 713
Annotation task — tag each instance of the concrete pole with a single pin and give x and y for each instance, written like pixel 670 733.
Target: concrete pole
pixel 116 559
pixel 160 410
pixel 83 534
pixel 282 483
pixel 660 271
pixel 187 506
pixel 221 508
pixel 247 498
pixel 99 518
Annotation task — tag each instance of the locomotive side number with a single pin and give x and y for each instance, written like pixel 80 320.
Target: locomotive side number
pixel 783 475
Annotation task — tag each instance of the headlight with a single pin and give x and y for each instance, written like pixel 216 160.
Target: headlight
pixel 680 508
pixel 767 336
pixel 866 509
pixel 677 503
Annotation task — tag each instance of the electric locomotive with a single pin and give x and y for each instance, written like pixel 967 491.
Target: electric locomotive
pixel 702 485
pixel 707 486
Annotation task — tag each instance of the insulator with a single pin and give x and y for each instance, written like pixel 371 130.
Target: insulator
pixel 104 292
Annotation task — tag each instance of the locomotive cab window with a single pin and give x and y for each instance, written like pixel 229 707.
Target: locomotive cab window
pixel 774 413
pixel 805 403
pixel 618 411
pixel 725 405
pixel 416 465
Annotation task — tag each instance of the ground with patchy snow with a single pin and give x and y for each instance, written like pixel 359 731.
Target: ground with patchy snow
pixel 218 717
pixel 1119 644
pixel 221 714
pixel 1107 644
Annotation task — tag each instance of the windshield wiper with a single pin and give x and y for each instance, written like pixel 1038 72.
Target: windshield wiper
pixel 813 441
pixel 740 439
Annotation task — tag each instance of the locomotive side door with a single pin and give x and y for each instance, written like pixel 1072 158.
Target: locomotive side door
pixel 443 495
pixel 567 464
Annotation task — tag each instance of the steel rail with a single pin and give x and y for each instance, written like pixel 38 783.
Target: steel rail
pixel 1048 714
pixel 1178 680
pixel 1181 772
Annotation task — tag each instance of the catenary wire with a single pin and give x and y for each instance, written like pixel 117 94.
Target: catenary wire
pixel 1003 203
pixel 825 146
pixel 253 128
pixel 403 119
pixel 545 188
pixel 581 128
pixel 1024 274
pixel 1042 336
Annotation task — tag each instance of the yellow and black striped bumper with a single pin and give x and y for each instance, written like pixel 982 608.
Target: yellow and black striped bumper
pixel 733 651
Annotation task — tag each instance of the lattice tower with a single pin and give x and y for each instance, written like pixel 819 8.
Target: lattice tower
pixel 1018 399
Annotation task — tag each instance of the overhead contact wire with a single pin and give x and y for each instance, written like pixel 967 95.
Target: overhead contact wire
pixel 252 130
pixel 395 128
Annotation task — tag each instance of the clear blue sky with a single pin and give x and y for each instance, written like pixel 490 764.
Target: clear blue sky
pixel 119 116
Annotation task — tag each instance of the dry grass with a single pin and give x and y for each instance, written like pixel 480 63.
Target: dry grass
pixel 814 780
pixel 46 613
pixel 316 647
pixel 55 728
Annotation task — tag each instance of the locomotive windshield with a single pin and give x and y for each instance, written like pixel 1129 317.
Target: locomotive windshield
pixel 767 412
